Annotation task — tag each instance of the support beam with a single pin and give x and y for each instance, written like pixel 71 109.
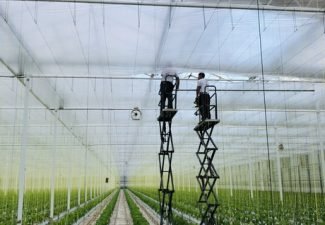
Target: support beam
pixel 187 4
pixel 127 77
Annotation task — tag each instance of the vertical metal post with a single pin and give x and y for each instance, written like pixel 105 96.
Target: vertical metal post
pixel 23 153
pixel 53 165
pixel 189 182
pixel 251 177
pixel 261 176
pixel 321 146
pixel 85 168
pixel 278 161
pixel 79 183
pixel 231 187
pixel 69 186
pixel 91 187
pixel 183 180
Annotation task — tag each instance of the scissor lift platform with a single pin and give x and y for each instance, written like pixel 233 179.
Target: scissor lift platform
pixel 206 124
pixel 167 115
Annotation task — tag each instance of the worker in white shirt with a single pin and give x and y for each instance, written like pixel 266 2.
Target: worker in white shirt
pixel 167 87
pixel 203 97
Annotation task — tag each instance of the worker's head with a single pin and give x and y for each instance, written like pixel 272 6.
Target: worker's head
pixel 201 75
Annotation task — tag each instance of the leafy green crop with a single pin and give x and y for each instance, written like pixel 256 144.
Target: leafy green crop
pixel 177 220
pixel 137 217
pixel 72 217
pixel 36 207
pixel 8 207
pixel 107 213
pixel 240 208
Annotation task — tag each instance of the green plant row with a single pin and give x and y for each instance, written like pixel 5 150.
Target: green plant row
pixel 177 220
pixel 72 217
pixel 137 217
pixel 36 205
pixel 189 206
pixel 264 208
pixel 107 213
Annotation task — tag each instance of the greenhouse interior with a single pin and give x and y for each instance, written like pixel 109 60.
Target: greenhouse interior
pixel 85 137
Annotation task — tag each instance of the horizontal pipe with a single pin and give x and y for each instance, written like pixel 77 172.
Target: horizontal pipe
pixel 158 79
pixel 205 5
pixel 156 109
pixel 237 144
pixel 257 90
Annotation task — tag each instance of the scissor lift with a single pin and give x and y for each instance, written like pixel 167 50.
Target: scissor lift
pixel 208 175
pixel 166 189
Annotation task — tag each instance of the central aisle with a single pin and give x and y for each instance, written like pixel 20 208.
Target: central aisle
pixel 121 215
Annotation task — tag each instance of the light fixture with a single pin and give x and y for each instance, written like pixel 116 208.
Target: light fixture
pixel 136 113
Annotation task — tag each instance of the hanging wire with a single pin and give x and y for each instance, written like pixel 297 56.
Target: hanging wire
pixel 91 13
pixel 294 21
pixel 44 39
pixel 170 16
pixel 35 12
pixel 220 45
pixel 324 21
pixel 199 39
pixel 103 13
pixel 204 20
pixel 232 19
pixel 265 109
pixel 105 42
pixel 6 11
pixel 139 17
pixel 103 98
pixel 88 49
pixel 74 16
pixel 137 45
pixel 264 24
pixel 77 33
pixel 20 54
pixel 280 47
